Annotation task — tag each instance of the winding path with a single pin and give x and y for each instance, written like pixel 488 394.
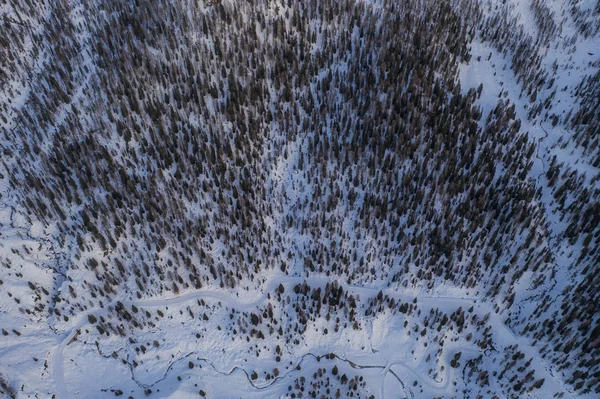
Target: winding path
pixel 431 302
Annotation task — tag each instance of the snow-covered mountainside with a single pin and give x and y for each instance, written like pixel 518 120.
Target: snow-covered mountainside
pixel 333 198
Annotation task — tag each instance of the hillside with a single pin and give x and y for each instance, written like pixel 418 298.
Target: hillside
pixel 270 199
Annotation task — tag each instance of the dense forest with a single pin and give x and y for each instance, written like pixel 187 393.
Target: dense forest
pixel 170 146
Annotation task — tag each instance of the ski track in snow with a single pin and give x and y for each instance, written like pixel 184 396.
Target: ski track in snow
pixel 501 331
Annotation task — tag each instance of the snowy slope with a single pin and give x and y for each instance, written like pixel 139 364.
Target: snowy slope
pixel 299 199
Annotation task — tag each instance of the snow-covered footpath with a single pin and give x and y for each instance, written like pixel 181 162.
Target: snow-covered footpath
pixel 383 351
pixel 388 356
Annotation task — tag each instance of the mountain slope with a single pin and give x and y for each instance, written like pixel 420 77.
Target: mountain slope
pixel 400 150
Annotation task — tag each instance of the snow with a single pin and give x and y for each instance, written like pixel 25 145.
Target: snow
pixel 384 345
pixel 494 72
pixel 66 356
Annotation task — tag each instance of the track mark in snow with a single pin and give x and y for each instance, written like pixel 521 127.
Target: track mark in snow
pixel 501 331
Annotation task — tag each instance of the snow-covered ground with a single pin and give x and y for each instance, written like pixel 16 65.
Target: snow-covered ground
pixel 191 343
pixel 388 358
pixel 383 346
pixel 569 61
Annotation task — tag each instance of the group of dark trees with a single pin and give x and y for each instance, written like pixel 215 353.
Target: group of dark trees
pixel 177 145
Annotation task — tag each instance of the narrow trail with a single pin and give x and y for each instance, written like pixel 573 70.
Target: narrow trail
pixel 550 230
pixel 431 302
pixel 442 385
pixel 274 382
